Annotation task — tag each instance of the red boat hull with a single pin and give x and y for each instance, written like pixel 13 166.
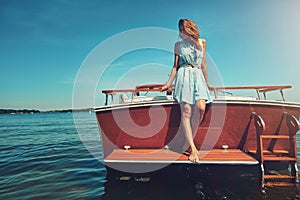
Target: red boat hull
pixel 155 125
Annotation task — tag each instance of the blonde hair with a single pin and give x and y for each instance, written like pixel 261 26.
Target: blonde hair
pixel 191 30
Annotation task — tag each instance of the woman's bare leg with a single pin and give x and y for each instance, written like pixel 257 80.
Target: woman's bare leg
pixel 201 105
pixel 197 115
pixel 186 111
pixel 195 120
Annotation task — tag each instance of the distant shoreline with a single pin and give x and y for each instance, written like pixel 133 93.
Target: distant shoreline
pixel 32 111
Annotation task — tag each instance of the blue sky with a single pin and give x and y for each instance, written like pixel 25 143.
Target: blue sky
pixel 44 43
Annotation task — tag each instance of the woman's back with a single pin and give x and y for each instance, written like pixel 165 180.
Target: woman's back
pixel 190 54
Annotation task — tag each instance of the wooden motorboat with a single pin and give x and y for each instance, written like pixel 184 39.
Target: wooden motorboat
pixel 143 133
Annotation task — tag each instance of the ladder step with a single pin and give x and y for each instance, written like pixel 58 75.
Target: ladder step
pixel 279 177
pixel 275 136
pixel 278 158
pixel 279 184
pixel 276 151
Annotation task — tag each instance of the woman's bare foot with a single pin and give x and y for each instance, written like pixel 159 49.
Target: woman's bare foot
pixel 194 156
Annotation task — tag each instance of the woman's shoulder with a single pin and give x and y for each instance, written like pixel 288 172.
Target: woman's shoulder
pixel 177 46
pixel 177 43
pixel 203 42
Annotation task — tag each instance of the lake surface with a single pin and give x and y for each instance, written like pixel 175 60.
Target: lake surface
pixel 43 157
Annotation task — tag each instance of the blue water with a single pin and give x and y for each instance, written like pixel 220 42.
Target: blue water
pixel 43 157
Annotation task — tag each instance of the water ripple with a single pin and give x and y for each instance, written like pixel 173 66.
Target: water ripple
pixel 42 157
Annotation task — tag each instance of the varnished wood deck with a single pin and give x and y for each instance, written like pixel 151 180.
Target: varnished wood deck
pixel 214 156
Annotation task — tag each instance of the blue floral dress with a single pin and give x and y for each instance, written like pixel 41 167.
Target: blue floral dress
pixel 190 84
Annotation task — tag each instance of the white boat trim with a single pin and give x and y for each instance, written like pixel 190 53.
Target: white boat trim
pixel 216 162
pixel 216 101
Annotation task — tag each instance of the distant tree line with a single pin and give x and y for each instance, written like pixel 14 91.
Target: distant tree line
pixel 29 111
pixel 13 111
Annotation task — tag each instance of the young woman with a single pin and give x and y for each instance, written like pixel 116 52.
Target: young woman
pixel 191 84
